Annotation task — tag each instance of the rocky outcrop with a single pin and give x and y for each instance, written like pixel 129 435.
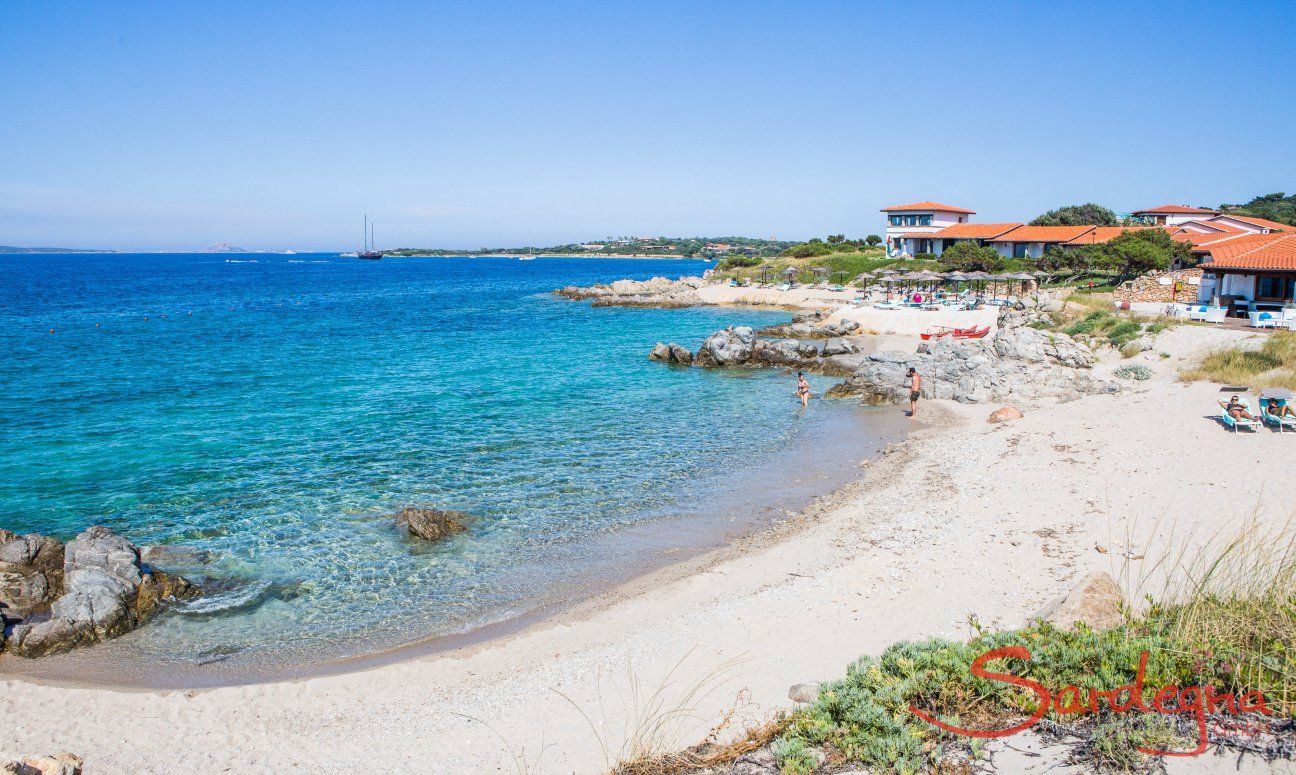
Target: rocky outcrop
pixel 812 325
pixel 730 347
pixel 1096 602
pixel 106 591
pixel 671 353
pixel 431 524
pixel 657 292
pixel 58 764
pixel 1020 362
pixel 31 572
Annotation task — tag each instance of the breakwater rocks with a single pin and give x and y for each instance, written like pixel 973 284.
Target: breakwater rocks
pixel 1019 362
pixel 657 292
pixel 54 598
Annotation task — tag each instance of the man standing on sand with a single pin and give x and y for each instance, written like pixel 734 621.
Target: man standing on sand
pixel 915 390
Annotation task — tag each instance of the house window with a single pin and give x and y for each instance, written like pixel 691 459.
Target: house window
pixel 924 220
pixel 1275 287
pixel 1020 250
pixel 895 220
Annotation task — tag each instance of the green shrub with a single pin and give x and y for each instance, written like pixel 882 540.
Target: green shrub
pixel 1123 333
pixel 1134 372
pixel 866 715
pixel 735 262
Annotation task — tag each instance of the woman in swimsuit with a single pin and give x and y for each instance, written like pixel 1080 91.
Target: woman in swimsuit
pixel 1237 410
pixel 803 390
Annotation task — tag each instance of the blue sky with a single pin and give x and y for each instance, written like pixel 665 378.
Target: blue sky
pixel 276 125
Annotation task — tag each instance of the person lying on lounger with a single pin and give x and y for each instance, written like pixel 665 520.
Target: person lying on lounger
pixel 1279 410
pixel 1237 410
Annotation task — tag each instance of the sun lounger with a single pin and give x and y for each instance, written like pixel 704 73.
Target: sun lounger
pixel 1239 422
pixel 1281 423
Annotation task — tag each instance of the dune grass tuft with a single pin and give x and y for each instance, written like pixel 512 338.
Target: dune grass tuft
pixel 1273 365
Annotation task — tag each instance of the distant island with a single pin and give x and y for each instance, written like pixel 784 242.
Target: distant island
pixel 14 249
pixel 675 247
pixel 224 247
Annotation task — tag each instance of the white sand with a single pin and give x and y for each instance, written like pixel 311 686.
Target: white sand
pixel 965 518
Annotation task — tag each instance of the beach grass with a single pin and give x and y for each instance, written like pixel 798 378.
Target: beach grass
pixel 1272 365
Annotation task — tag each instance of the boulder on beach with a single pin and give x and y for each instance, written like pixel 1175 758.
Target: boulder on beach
pixel 431 524
pixel 106 591
pixel 1004 414
pixel 31 572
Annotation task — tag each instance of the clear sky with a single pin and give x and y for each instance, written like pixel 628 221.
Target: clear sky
pixel 174 125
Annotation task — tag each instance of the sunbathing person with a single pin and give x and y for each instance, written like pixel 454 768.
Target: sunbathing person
pixel 1237 410
pixel 1279 410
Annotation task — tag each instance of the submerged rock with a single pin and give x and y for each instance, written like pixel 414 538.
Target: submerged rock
pixel 431 524
pixel 107 591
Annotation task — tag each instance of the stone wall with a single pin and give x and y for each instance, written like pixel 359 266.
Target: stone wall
pixel 1160 287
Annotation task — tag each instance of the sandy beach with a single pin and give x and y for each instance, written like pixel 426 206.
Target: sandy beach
pixel 963 519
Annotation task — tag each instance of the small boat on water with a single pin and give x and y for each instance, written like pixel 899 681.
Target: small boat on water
pixel 368 253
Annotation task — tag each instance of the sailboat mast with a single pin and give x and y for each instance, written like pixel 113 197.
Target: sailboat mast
pixel 365 237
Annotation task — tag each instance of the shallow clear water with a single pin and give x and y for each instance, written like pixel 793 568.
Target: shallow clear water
pixel 274 411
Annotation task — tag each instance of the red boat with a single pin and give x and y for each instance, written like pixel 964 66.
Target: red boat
pixel 926 335
pixel 971 333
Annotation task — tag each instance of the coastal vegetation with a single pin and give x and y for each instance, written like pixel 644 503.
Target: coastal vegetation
pixel 1272 365
pixel 1089 214
pixel 1275 207
pixel 1225 622
pixel 681 247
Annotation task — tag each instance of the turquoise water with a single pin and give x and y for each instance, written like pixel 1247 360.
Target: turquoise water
pixel 274 411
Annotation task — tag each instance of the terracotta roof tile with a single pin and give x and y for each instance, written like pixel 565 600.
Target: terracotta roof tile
pixel 1105 233
pixel 975 230
pixel 1255 251
pixel 1176 210
pixel 1044 234
pixel 1263 223
pixel 926 206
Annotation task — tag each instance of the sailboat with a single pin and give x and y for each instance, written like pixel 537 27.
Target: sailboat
pixel 369 254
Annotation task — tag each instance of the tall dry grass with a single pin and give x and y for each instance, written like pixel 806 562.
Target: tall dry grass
pixel 640 729
pixel 1273 365
pixel 1236 595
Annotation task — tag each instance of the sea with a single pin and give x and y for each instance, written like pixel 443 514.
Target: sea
pixel 261 418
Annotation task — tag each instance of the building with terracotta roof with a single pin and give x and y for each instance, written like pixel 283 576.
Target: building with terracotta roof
pixel 910 226
pixel 1254 271
pixel 1172 215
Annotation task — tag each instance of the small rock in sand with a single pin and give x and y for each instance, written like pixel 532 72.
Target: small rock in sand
pixel 1005 413
pixel 58 764
pixel 807 692
pixel 1096 601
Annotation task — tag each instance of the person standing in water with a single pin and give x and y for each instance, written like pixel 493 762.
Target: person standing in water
pixel 803 390
pixel 915 391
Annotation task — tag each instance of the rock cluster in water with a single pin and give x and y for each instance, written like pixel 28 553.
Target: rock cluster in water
pixel 657 292
pixel 54 598
pixel 739 346
pixel 431 524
